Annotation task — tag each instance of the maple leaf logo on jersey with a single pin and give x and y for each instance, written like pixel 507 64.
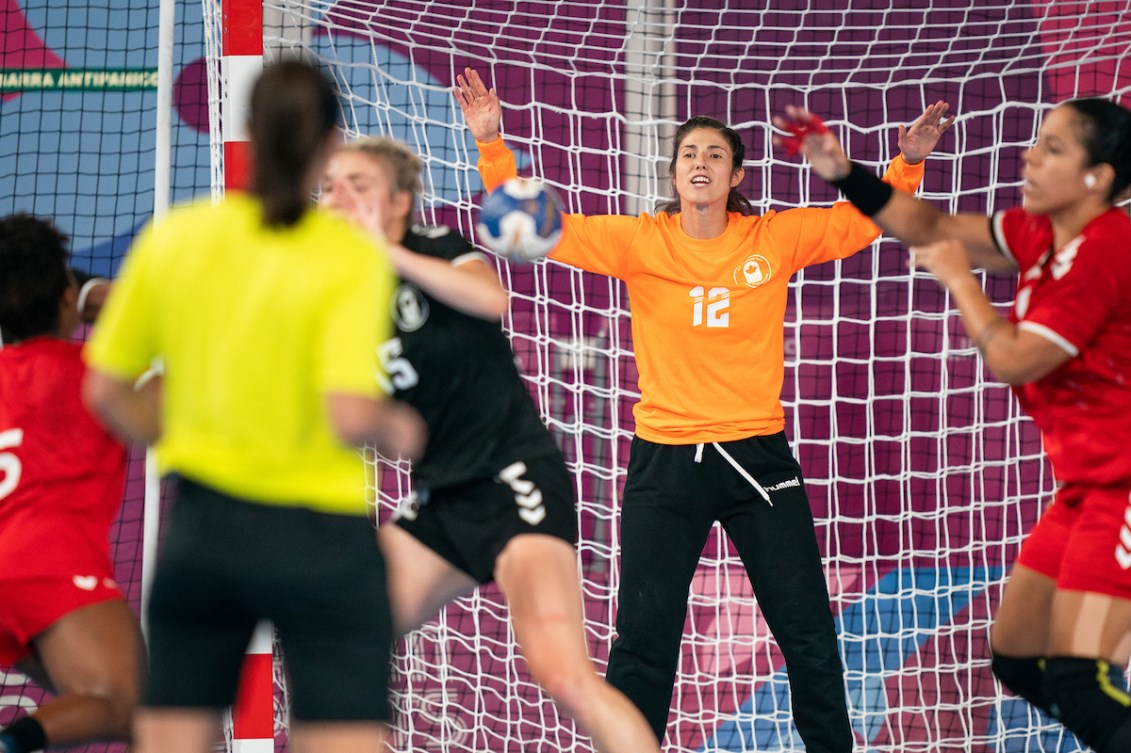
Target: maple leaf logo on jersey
pixel 754 271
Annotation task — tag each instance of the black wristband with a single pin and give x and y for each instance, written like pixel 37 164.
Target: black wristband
pixel 868 193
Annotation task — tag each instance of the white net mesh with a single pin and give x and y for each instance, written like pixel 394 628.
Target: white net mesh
pixel 922 473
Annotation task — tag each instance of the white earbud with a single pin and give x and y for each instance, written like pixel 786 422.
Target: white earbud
pixel 1089 180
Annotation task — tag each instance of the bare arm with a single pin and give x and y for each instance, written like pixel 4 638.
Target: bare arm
pixel 130 410
pixel 1013 355
pixel 394 428
pixel 918 223
pixel 472 286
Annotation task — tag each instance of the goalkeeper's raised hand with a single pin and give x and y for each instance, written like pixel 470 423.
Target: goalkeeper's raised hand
pixel 480 105
pixel 821 147
pixel 920 139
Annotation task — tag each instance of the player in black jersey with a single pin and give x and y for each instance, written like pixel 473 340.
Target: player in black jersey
pixel 493 498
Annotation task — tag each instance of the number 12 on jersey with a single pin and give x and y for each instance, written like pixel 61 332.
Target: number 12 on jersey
pixel 710 309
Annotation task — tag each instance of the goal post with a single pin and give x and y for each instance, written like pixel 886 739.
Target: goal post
pixel 923 474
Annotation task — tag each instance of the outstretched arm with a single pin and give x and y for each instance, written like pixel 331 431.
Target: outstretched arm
pixel 481 109
pixel 472 286
pixel 483 115
pixel 1014 355
pixel 901 215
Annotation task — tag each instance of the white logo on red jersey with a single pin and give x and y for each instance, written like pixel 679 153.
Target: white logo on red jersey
pixel 1021 303
pixel 1062 262
pixel 754 271
pixel 85 582
pixel 1123 548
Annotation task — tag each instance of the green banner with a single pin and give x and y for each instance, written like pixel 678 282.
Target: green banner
pixel 64 79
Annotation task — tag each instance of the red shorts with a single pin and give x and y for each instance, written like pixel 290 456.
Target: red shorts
pixel 1083 540
pixel 30 606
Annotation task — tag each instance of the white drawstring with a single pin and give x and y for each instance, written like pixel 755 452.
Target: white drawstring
pixel 740 469
pixel 699 453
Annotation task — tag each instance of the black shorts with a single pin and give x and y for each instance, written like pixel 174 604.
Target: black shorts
pixel 470 524
pixel 226 564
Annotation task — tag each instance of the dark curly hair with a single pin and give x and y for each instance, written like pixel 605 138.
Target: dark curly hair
pixel 33 276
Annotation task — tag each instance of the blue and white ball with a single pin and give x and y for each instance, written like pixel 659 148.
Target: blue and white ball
pixel 521 220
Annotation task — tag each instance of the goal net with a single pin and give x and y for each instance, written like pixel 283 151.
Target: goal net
pixel 923 474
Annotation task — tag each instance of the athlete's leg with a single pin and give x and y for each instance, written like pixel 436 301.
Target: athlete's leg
pixel 337 737
pixel 1090 628
pixel 420 581
pixel 778 547
pixel 1019 638
pixel 663 530
pixel 538 576
pixel 93 660
pixel 1089 647
pixel 175 730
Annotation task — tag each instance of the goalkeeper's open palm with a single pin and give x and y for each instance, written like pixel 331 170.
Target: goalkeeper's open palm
pixel 920 139
pixel 480 105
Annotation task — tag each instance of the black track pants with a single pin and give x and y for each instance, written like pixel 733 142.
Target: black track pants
pixel 673 495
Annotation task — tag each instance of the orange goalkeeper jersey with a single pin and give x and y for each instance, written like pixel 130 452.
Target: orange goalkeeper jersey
pixel 708 316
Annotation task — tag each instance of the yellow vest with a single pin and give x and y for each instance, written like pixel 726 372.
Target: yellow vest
pixel 254 326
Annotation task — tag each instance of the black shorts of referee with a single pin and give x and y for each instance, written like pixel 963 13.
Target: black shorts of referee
pixel 227 563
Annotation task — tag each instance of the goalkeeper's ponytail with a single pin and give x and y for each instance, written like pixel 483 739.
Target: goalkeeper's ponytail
pixel 294 108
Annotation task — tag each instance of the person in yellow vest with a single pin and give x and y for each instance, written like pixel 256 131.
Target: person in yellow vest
pixel 266 314
pixel 708 281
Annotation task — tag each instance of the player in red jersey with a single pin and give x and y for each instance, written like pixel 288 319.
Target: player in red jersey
pixel 1062 634
pixel 63 619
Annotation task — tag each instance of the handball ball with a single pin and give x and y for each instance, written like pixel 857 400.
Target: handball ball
pixel 521 220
